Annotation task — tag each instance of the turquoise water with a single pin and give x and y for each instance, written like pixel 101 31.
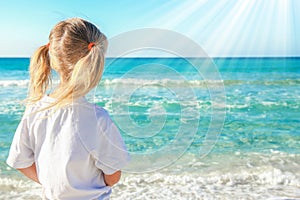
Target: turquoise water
pixel 262 121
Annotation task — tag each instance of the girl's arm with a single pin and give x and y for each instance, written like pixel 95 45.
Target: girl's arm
pixel 30 172
pixel 112 179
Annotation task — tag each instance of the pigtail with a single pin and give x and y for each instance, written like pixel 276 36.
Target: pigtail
pixel 88 70
pixel 40 72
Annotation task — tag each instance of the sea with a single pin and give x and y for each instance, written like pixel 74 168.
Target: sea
pixel 228 128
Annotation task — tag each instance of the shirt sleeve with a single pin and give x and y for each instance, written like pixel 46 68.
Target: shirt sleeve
pixel 112 154
pixel 20 154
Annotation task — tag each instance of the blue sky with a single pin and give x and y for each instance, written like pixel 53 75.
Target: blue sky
pixel 221 27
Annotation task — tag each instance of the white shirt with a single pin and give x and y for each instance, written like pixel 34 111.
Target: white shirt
pixel 72 147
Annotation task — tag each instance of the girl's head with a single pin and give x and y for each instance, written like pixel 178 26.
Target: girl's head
pixel 76 51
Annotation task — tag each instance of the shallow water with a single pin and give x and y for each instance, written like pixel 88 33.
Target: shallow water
pixel 256 156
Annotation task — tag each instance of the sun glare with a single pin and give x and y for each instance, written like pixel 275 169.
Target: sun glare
pixel 238 28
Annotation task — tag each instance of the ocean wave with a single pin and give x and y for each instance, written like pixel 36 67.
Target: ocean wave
pixel 9 83
pixel 196 83
pixel 162 82
pixel 120 106
pixel 263 182
pixel 19 83
pixel 167 82
pixel 18 188
pixel 269 175
pixel 243 185
pixel 128 82
pixel 273 175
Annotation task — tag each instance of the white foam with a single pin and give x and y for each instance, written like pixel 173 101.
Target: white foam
pixel 16 188
pixel 122 82
pixel 19 83
pixel 265 183
pixel 238 176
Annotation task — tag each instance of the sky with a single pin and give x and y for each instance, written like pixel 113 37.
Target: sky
pixel 221 27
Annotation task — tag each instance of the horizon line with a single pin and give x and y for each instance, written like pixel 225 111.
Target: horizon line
pixel 166 57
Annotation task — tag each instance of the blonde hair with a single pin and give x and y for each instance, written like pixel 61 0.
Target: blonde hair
pixel 79 64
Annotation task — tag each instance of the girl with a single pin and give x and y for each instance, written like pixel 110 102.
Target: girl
pixel 68 145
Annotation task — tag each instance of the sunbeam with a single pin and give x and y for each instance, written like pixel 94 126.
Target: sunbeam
pixel 228 35
pixel 235 28
pixel 179 14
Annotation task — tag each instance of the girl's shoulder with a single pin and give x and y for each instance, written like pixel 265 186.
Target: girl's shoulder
pixel 79 110
pixel 102 114
pixel 91 111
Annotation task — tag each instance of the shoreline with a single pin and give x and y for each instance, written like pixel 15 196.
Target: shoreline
pixel 220 175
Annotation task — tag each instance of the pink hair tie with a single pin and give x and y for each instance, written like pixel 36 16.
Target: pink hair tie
pixel 48 45
pixel 90 46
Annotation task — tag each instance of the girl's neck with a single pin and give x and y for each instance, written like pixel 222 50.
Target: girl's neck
pixel 56 93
